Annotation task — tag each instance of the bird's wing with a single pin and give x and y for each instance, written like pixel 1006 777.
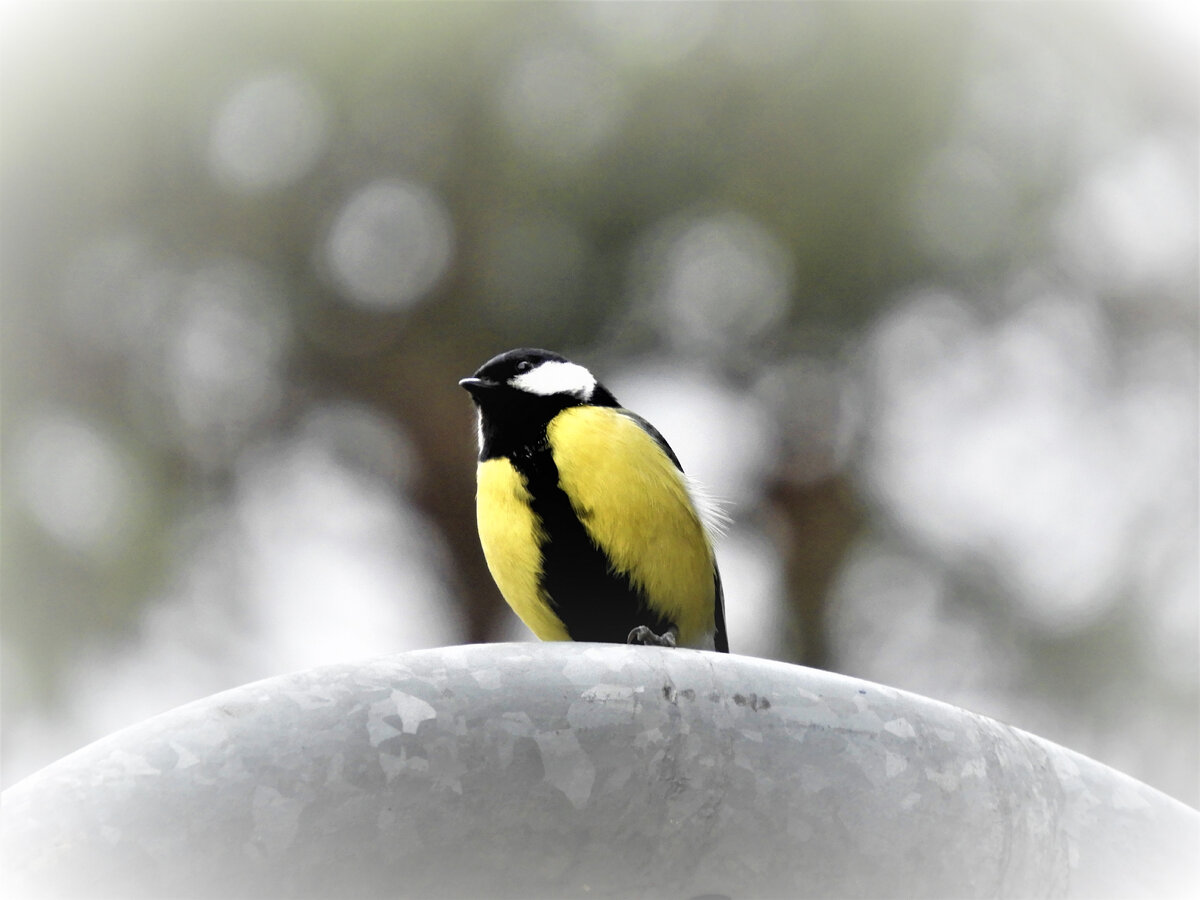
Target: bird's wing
pixel 654 433
pixel 710 509
pixel 712 515
pixel 720 637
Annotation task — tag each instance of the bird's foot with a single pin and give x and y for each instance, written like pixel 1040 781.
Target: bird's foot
pixel 645 635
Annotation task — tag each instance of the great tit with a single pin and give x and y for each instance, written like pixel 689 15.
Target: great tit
pixel 588 523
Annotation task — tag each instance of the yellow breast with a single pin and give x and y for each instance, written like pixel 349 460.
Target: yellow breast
pixel 510 535
pixel 635 505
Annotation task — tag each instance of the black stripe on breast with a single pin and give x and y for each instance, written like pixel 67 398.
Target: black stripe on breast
pixel 593 602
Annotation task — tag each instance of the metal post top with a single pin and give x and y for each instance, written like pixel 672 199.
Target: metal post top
pixel 558 770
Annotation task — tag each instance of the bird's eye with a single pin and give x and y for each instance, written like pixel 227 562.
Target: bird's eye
pixel 524 365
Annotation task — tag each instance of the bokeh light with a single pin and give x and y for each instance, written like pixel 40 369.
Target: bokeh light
pixel 268 133
pixel 390 243
pixel 718 279
pixel 1131 224
pixel 117 295
pixel 560 104
pixel 75 482
pixel 223 366
pixel 660 34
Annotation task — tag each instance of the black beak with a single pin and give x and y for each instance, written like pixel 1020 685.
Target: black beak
pixel 476 387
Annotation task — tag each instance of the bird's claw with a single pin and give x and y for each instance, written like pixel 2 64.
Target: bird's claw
pixel 645 635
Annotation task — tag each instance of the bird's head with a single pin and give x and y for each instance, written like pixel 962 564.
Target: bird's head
pixel 528 376
pixel 518 392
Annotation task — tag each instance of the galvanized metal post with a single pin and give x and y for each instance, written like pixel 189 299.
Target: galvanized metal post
pixel 571 770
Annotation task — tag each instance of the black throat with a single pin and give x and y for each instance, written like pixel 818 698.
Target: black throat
pixel 513 423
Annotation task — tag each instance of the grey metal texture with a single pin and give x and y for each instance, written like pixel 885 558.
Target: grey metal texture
pixel 572 770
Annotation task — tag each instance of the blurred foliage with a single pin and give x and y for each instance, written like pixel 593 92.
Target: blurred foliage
pixel 921 279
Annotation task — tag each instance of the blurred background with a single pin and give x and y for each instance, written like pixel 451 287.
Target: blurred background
pixel 913 287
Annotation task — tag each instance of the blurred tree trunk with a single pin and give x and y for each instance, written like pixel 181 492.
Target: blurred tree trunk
pixel 415 383
pixel 814 524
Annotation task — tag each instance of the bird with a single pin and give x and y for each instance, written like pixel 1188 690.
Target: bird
pixel 588 524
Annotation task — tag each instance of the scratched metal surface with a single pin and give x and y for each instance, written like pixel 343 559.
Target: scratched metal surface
pixel 565 770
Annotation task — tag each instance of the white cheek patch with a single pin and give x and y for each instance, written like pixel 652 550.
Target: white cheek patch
pixel 556 378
